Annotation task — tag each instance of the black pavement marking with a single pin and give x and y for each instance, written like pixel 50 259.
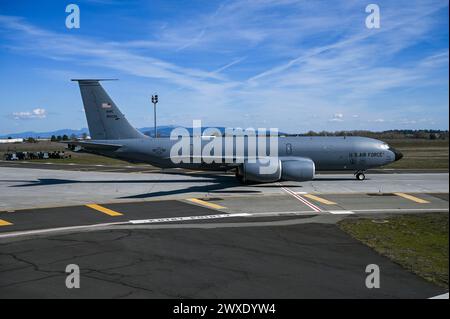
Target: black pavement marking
pixel 31 219
pixel 44 218
pixel 159 209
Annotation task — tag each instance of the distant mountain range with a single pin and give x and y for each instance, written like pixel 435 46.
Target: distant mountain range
pixel 32 134
pixel 162 131
pixel 166 130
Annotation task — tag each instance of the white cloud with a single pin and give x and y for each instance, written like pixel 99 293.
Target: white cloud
pixel 38 113
pixel 338 117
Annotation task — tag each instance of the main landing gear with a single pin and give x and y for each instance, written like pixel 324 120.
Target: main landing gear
pixel 240 176
pixel 360 176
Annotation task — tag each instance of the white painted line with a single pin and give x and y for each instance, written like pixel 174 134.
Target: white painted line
pixel 184 218
pixel 443 296
pixel 309 212
pixel 52 230
pixel 341 212
pixel 301 199
pixel 402 210
pixel 354 211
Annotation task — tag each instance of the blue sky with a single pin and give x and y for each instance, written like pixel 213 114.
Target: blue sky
pixel 295 65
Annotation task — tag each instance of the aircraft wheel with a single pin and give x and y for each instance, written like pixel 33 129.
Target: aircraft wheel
pixel 360 176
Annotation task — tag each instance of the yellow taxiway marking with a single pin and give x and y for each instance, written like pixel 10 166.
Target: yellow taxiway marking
pixel 104 210
pixel 204 203
pixel 4 223
pixel 413 198
pixel 319 199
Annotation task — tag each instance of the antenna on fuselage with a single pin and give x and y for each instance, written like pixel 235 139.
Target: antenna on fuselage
pixel 154 101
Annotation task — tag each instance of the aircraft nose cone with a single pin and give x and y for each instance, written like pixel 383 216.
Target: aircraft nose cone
pixel 398 155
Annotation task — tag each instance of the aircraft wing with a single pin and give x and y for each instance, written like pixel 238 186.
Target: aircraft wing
pixel 91 145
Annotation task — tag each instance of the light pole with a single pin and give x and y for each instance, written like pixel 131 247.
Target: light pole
pixel 154 101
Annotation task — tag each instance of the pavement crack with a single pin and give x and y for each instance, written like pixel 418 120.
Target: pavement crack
pixel 118 282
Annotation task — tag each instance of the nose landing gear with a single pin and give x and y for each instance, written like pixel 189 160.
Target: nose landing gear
pixel 360 176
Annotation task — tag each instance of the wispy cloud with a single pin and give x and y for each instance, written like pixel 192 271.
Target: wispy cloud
pixel 294 63
pixel 33 39
pixel 38 113
pixel 223 68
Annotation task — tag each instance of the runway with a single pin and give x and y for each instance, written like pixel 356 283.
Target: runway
pixel 194 235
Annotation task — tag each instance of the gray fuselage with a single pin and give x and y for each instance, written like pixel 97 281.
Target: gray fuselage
pixel 328 153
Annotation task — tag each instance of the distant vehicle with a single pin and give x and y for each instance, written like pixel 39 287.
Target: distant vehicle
pixel 298 157
pixel 20 156
pixel 11 157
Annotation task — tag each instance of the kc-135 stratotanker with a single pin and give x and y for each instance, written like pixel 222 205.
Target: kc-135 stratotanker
pixel 297 158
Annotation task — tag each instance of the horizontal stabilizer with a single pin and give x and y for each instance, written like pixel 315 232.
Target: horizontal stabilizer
pixel 93 80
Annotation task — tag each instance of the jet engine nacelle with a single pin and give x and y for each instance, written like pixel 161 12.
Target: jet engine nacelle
pixel 299 169
pixel 295 169
pixel 260 172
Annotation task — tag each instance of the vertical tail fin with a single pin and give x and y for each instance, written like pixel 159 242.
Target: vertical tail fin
pixel 105 121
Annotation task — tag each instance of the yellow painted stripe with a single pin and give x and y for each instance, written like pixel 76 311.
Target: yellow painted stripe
pixel 104 210
pixel 202 202
pixel 4 223
pixel 413 198
pixel 319 199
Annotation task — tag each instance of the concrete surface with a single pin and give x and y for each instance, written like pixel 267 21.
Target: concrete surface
pixel 22 188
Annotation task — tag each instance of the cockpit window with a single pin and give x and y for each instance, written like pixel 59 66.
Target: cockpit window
pixel 384 146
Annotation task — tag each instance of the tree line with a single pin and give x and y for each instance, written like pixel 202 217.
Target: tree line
pixel 390 134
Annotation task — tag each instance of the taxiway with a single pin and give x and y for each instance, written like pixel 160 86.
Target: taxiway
pixel 173 234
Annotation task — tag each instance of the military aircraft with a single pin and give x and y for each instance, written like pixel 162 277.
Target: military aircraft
pixel 296 159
